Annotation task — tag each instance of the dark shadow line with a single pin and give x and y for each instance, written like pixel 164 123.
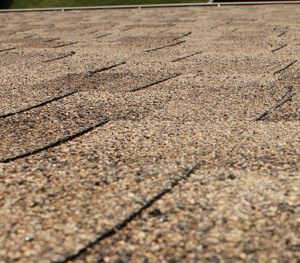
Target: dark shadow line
pixel 43 103
pixel 113 65
pixel 167 28
pixel 223 24
pixel 57 142
pixel 104 35
pixel 128 28
pixel 7 49
pixel 186 56
pixel 188 171
pixel 60 57
pixel 165 46
pixel 277 49
pixel 21 31
pixel 93 32
pixel 286 97
pixel 65 45
pixel 182 36
pixel 286 67
pixel 283 33
pixel 51 40
pixel 155 82
pixel 30 36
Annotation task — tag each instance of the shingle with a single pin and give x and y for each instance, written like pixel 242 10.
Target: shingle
pixel 84 160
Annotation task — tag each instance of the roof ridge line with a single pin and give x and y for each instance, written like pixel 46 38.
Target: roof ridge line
pixel 209 4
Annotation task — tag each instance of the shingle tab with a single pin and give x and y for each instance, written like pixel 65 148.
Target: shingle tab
pixel 182 171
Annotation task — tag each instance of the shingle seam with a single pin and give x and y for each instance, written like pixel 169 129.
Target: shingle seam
pixel 59 97
pixel 65 45
pixel 69 54
pixel 156 82
pixel 110 66
pixel 283 33
pixel 7 49
pixel 58 142
pixel 51 40
pixel 43 103
pixel 182 36
pixel 285 67
pixel 168 28
pixel 279 48
pixel 188 171
pixel 165 46
pixel 223 24
pixel 30 36
pixel 286 97
pixel 186 56
pixel 101 36
pixel 20 31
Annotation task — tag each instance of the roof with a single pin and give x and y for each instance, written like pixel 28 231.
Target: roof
pixel 156 134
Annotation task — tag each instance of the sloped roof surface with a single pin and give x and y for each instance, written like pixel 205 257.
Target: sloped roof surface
pixel 166 135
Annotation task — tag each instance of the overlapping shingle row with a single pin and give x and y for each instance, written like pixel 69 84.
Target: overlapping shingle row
pixel 101 132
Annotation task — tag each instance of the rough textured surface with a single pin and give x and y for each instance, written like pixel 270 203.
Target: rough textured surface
pixel 182 171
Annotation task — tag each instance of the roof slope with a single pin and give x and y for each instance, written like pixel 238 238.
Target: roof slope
pixel 158 134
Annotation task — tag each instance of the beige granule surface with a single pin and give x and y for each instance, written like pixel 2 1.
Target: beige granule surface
pixel 110 153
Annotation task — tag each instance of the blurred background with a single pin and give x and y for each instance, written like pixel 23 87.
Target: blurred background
pixel 64 3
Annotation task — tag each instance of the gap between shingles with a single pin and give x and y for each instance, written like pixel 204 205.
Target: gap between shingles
pixel 223 24
pixel 59 97
pixel 188 171
pixel 43 103
pixel 285 67
pixel 283 33
pixel 69 54
pixel 182 36
pixel 103 35
pixel 286 97
pixel 186 56
pixel 165 46
pixel 51 40
pixel 30 36
pixel 7 49
pixel 109 66
pixel 277 49
pixel 67 138
pixel 156 82
pixel 65 45
pixel 58 142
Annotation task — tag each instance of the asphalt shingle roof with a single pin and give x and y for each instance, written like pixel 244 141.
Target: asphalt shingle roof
pixel 166 134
